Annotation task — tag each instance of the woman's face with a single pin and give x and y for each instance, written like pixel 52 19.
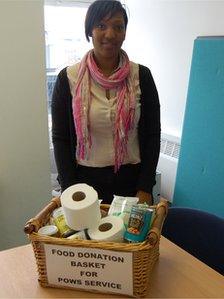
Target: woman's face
pixel 108 36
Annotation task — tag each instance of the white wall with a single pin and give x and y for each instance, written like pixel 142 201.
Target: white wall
pixel 160 35
pixel 24 154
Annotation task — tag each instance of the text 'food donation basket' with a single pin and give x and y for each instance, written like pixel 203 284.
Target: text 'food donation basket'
pixel 87 265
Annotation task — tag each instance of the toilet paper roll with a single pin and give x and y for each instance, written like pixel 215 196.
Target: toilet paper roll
pixel 81 207
pixel 110 228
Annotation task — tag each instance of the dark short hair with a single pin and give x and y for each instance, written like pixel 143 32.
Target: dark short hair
pixel 100 9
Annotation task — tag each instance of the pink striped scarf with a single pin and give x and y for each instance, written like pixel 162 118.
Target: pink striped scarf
pixel 122 81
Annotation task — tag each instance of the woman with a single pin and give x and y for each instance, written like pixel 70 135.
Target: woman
pixel 106 114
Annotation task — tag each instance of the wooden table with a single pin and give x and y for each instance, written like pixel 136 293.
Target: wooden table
pixel 177 274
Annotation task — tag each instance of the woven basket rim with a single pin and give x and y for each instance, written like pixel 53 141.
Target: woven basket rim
pixel 35 237
pixel 150 242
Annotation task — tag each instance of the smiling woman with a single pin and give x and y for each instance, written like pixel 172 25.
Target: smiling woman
pixel 108 32
pixel 63 46
pixel 107 38
pixel 106 114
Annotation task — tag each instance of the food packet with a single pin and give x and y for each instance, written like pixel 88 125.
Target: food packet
pixel 121 206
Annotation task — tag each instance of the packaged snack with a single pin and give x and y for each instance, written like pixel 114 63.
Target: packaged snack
pixel 121 206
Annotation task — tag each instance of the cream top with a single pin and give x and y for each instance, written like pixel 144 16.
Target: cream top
pixel 102 117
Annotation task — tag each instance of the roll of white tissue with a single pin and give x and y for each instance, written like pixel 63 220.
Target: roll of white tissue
pixel 109 229
pixel 81 206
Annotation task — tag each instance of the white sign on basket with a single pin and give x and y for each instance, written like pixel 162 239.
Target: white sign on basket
pixel 89 268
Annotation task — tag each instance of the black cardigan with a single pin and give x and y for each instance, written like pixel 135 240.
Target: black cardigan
pixel 64 136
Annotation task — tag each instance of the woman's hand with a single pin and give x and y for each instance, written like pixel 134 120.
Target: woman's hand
pixel 144 197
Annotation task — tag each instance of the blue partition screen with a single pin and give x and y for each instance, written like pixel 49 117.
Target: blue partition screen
pixel 200 173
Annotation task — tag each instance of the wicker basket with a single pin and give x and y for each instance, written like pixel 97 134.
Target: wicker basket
pixel 143 255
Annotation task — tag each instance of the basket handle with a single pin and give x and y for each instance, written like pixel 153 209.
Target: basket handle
pixel 40 219
pixel 155 231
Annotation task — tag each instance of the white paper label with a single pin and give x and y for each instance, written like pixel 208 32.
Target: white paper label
pixel 88 268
